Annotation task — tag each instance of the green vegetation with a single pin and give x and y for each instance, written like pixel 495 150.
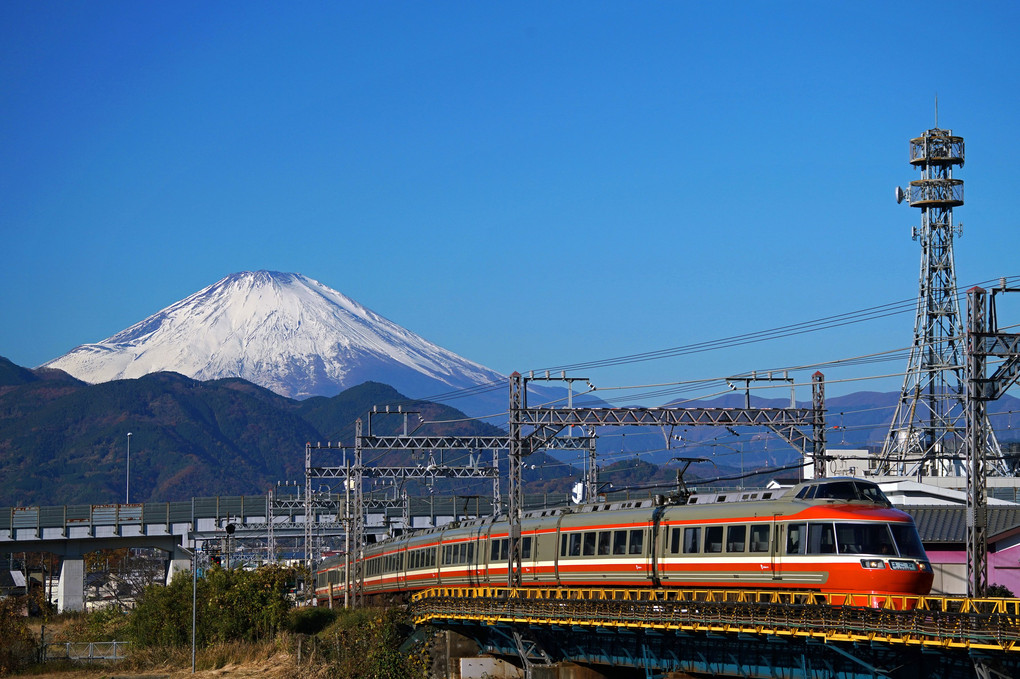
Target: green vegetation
pixel 367 643
pixel 233 605
pixel 17 643
pixel 242 617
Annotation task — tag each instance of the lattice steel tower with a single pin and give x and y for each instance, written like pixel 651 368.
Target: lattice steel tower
pixel 927 436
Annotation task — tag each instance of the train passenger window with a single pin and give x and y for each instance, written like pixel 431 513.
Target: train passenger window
pixel 760 537
pixel 674 541
pixel 605 543
pixel 736 538
pixel 619 542
pixel 447 554
pixel 470 553
pixel 821 539
pixel 525 547
pixel 692 540
pixel 494 551
pixel 575 544
pixel 796 538
pixel 637 541
pixel 713 539
pixel 589 543
pixel 563 545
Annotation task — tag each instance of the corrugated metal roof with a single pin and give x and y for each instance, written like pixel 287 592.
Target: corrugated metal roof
pixel 948 523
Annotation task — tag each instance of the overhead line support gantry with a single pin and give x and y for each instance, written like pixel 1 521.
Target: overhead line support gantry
pixel 544 423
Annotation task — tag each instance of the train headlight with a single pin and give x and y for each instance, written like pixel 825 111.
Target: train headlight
pixel 872 563
pixel 924 566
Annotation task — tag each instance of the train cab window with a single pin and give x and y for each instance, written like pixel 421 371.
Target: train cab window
pixel 619 542
pixel 674 541
pixel 525 547
pixel 713 539
pixel 907 539
pixel 736 538
pixel 760 537
pixel 796 538
pixel 864 538
pixel 637 541
pixel 692 540
pixel 821 539
pixel 837 490
pixel 589 543
pixel 605 543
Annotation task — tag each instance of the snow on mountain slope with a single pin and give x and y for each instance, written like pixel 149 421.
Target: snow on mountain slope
pixel 284 331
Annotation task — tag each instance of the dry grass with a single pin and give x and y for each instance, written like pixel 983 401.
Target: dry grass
pixel 269 660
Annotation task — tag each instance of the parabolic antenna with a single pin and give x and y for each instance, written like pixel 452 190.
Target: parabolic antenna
pixel 900 195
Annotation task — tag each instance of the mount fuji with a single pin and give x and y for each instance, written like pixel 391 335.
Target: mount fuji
pixel 290 334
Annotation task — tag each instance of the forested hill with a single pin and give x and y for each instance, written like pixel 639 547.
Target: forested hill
pixel 63 441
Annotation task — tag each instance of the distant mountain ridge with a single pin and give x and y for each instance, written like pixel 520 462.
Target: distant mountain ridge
pixel 286 332
pixel 63 441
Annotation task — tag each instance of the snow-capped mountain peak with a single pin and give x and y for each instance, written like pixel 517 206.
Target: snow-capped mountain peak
pixel 284 331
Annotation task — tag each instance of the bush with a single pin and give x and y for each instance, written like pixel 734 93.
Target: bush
pixel 367 643
pixel 311 620
pixel 1000 591
pixel 233 605
pixel 17 643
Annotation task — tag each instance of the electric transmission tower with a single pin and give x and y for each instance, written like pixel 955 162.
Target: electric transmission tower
pixel 927 436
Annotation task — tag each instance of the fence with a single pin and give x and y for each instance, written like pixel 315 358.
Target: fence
pixel 86 650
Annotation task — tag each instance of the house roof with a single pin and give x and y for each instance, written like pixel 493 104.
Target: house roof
pixel 948 523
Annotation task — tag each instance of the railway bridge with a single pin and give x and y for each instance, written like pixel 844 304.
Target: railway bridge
pixel 743 633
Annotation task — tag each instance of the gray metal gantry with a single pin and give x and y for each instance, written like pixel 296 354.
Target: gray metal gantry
pixel 532 429
pixel 353 476
pixel 983 341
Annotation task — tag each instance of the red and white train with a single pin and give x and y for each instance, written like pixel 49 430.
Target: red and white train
pixel 826 535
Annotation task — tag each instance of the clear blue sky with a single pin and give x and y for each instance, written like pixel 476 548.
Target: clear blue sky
pixel 527 184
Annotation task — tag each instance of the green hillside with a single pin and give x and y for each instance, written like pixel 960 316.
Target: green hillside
pixel 63 441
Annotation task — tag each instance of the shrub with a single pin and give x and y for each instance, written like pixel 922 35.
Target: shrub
pixel 367 643
pixel 310 620
pixel 233 605
pixel 1000 591
pixel 17 643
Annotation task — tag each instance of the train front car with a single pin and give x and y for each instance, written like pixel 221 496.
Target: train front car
pixel 827 535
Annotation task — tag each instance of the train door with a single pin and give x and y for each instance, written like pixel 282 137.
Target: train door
pixel 477 556
pixel 774 549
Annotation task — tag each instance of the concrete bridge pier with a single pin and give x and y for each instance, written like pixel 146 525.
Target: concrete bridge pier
pixel 71 586
pixel 180 560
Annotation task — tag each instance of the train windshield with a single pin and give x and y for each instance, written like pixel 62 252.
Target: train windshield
pixel 846 490
pixel 879 538
pixel 864 538
pixel 908 540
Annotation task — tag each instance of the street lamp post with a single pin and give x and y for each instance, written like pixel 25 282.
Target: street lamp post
pixel 127 489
